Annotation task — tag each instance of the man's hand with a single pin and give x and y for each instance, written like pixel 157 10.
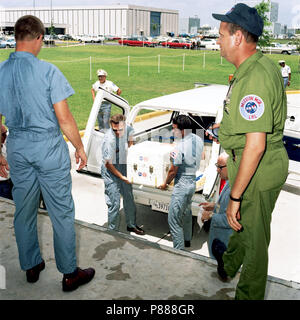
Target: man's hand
pixel 233 215
pixel 206 215
pixel 163 186
pixel 3 167
pixel 208 206
pixel 125 179
pixel 80 155
pixel 215 126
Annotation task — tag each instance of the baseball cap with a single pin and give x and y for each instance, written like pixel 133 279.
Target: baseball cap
pixel 101 72
pixel 245 17
pixel 281 61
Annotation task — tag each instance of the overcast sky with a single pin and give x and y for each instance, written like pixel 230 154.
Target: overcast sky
pixel 289 10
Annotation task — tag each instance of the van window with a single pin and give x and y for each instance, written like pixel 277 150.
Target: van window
pixel 153 125
pixel 107 109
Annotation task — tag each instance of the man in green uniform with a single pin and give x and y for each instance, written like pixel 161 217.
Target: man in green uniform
pixel 251 131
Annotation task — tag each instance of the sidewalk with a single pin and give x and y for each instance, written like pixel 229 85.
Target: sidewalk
pixel 127 268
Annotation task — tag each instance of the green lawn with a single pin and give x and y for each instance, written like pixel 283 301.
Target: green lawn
pixel 144 81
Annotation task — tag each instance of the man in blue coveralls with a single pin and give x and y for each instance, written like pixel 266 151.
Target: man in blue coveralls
pixel 186 160
pixel 114 171
pixel 33 101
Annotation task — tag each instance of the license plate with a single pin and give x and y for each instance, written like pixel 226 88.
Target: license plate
pixel 160 206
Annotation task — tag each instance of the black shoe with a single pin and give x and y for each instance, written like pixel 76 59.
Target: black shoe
pixel 33 274
pixel 218 248
pixel 79 277
pixel 187 243
pixel 136 230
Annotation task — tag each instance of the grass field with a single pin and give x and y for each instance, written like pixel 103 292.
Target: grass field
pixel 144 81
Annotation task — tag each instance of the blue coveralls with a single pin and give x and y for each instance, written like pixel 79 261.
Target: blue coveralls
pixel 186 156
pixel 219 227
pixel 115 149
pixel 38 156
pixel 104 115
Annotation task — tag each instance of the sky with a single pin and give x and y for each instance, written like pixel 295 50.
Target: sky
pixel 289 10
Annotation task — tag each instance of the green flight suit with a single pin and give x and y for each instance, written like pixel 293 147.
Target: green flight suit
pixel 256 102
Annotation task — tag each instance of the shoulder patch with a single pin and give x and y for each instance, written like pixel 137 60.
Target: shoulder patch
pixel 174 154
pixel 252 107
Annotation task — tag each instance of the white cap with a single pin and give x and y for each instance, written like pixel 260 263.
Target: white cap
pixel 101 72
pixel 281 61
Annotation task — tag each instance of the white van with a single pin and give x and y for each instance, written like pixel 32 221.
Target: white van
pixel 151 120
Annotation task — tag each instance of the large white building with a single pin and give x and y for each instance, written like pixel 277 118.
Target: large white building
pixel 118 20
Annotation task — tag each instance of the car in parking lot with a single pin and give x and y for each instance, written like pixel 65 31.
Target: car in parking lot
pixel 178 43
pixel 210 44
pixel 90 38
pixel 139 41
pixel 2 44
pixel 10 43
pixel 7 43
pixel 279 48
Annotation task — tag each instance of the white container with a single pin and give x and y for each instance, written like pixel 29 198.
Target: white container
pixel 148 163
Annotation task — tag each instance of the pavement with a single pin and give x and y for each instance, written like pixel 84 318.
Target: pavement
pixel 127 268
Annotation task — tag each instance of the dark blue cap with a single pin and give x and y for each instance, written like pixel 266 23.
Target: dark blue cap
pixel 245 17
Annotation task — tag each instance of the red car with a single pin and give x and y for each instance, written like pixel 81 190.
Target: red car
pixel 178 43
pixel 138 42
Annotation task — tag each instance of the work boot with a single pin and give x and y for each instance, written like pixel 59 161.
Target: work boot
pixel 136 230
pixel 79 277
pixel 218 248
pixel 33 274
pixel 187 243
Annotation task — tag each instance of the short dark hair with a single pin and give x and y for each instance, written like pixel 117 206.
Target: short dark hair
pixel 28 28
pixel 117 118
pixel 250 37
pixel 182 121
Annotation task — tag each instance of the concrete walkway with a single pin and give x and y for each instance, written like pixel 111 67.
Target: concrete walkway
pixel 127 268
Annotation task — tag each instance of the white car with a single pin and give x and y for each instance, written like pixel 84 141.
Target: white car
pixel 210 44
pixel 279 48
pixel 90 38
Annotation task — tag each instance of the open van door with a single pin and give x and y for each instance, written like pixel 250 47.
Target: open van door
pixel 212 178
pixel 93 136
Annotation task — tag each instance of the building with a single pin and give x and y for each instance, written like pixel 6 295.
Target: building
pixel 118 20
pixel 189 25
pixel 274 12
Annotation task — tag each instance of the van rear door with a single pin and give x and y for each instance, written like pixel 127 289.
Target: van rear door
pixel 93 135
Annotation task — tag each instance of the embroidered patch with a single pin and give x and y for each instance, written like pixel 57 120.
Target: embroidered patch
pixel 252 107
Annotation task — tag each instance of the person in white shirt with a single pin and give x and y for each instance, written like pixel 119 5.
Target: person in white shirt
pixel 105 109
pixel 285 72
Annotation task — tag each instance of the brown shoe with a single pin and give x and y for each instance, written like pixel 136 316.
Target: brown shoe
pixel 136 230
pixel 79 277
pixel 33 274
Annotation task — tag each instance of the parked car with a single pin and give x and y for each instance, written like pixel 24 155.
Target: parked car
pixel 90 38
pixel 66 37
pixel 161 39
pixel 178 43
pixel 112 37
pixel 279 48
pixel 2 44
pixel 139 41
pixel 10 43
